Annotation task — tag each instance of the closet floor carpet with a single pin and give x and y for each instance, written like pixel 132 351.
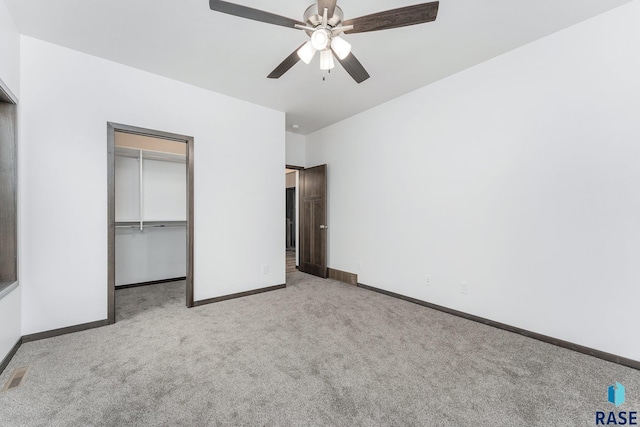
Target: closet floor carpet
pixel 316 353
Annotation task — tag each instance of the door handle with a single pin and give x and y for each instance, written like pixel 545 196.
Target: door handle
pixel 324 226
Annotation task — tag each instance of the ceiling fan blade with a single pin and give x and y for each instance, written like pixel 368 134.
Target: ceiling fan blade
pixel 250 13
pixel 354 68
pixel 329 4
pixel 286 65
pixel 394 18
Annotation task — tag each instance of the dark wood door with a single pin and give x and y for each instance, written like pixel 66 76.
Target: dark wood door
pixel 313 221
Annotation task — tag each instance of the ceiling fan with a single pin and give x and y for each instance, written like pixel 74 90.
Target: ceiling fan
pixel 324 23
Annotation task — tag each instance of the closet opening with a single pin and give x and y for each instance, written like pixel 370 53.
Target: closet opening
pixel 150 216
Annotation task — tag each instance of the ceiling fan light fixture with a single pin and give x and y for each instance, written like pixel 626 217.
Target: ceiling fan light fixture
pixel 324 27
pixel 320 39
pixel 340 47
pixel 306 52
pixel 326 60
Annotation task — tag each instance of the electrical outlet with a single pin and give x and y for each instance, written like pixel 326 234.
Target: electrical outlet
pixel 265 269
pixel 427 279
pixel 464 288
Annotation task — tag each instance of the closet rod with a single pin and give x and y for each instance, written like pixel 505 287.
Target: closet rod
pixel 152 226
pixel 159 224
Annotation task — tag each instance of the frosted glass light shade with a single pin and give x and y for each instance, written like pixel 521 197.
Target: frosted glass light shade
pixel 326 60
pixel 306 52
pixel 340 47
pixel 320 39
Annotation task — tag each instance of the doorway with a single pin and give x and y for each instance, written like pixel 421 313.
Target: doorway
pixel 313 220
pixel 291 219
pixel 310 192
pixel 150 210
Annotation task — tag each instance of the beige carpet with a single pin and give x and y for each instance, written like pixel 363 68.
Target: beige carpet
pixel 316 353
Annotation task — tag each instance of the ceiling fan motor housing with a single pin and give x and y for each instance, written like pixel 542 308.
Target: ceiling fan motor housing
pixel 313 18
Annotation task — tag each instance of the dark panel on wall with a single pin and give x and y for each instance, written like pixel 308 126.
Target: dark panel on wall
pixel 343 276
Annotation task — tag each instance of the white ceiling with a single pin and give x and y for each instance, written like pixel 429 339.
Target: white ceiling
pixel 185 40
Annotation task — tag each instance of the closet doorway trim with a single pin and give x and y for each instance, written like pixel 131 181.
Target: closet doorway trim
pixel 112 128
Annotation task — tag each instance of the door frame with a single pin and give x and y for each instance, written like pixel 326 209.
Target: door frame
pixel 298 169
pixel 319 269
pixel 112 128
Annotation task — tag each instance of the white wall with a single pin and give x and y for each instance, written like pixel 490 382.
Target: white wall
pixel 9 51
pixel 295 149
pixel 154 253
pixel 10 305
pixel 127 182
pixel 67 99
pixel 164 190
pixel 519 176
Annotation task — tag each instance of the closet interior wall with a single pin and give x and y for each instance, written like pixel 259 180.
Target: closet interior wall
pixel 150 204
